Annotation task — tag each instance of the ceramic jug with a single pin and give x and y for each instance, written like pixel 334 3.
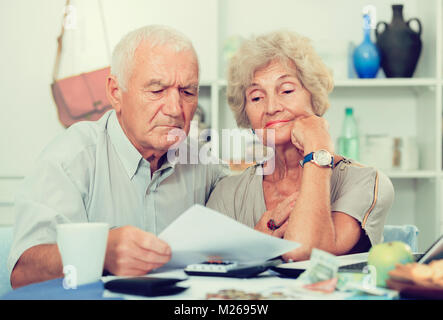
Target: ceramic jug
pixel 400 46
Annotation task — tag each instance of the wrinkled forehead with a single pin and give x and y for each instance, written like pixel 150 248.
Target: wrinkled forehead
pixel 156 50
pixel 165 59
pixel 287 65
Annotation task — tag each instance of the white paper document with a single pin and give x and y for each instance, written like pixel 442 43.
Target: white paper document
pixel 200 233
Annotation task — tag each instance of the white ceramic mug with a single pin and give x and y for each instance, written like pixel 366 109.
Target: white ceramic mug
pixel 82 247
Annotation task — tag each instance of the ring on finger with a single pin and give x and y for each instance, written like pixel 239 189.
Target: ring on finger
pixel 272 225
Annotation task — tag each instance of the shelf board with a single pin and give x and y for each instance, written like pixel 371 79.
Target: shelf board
pixel 400 174
pixel 392 82
pixel 346 83
pixel 206 83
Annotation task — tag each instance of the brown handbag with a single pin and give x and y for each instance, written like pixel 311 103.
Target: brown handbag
pixel 79 97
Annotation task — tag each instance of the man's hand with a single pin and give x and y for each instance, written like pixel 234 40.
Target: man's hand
pixel 310 133
pixel 133 252
pixel 280 215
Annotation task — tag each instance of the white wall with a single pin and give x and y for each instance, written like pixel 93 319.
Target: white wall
pixel 28 31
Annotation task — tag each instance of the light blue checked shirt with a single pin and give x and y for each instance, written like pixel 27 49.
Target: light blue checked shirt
pixel 92 172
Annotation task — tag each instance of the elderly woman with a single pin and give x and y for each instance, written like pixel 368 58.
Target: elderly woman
pixel 313 196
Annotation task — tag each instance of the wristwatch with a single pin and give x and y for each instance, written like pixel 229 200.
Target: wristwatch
pixel 321 158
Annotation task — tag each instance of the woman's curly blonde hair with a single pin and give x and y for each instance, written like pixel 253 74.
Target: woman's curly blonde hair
pixel 286 46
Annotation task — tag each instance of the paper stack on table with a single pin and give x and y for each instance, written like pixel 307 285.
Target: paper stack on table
pixel 201 233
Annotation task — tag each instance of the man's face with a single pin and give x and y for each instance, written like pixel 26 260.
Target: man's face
pixel 162 94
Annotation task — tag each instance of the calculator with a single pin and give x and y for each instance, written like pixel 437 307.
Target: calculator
pixel 229 268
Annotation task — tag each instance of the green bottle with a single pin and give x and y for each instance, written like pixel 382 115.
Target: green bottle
pixel 348 142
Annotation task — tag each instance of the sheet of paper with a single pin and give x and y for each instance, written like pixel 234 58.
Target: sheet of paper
pixel 200 233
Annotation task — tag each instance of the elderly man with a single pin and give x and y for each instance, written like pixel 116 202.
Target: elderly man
pixel 115 170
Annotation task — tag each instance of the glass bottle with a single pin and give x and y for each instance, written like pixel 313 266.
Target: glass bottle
pixel 348 142
pixel 366 56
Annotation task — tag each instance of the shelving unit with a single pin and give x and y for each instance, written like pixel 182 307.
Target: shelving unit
pixel 397 107
pixel 391 82
pixel 394 106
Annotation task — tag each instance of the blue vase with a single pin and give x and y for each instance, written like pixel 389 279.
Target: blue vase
pixel 366 56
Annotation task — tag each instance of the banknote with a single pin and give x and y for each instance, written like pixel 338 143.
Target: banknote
pixel 322 266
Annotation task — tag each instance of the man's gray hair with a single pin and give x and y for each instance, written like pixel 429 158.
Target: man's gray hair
pixel 123 54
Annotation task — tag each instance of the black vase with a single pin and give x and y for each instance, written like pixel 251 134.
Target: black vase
pixel 400 46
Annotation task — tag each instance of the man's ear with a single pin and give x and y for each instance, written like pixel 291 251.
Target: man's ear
pixel 114 92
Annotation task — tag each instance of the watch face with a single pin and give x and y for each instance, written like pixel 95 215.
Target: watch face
pixel 322 157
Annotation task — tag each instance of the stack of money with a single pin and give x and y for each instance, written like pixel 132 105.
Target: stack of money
pixel 322 266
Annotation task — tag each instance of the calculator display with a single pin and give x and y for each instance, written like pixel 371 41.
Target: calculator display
pixel 212 266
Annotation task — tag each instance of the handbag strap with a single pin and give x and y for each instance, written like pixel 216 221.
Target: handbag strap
pixel 105 30
pixel 62 32
pixel 60 45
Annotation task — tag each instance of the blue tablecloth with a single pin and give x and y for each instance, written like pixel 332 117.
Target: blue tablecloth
pixel 53 290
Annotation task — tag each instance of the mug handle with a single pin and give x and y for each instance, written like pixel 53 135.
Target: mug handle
pixel 418 22
pixel 376 28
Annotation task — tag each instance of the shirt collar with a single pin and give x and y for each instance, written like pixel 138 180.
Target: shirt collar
pixel 172 156
pixel 128 154
pixel 167 164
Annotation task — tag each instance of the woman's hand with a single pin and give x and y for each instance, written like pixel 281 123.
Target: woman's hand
pixel 311 133
pixel 279 215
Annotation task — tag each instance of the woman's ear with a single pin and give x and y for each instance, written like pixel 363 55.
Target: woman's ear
pixel 114 93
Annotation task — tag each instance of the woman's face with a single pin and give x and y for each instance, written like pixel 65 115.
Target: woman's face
pixel 274 100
